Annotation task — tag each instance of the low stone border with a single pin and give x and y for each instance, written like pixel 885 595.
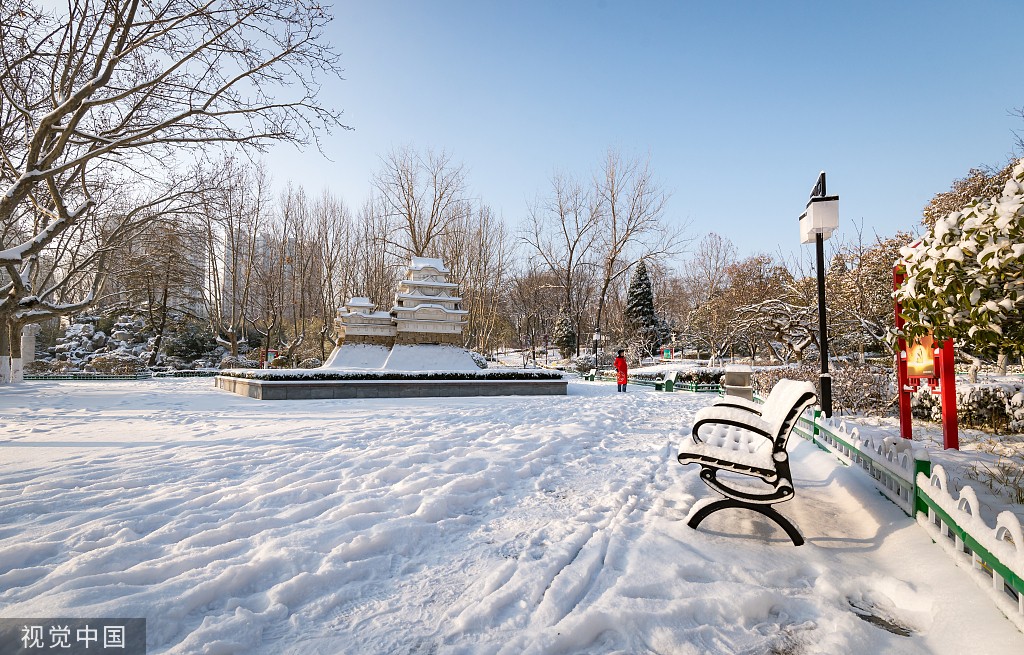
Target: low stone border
pixel 335 389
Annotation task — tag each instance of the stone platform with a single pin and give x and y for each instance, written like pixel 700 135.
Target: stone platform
pixel 369 388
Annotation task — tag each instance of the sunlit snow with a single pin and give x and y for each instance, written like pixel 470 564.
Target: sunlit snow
pixel 464 525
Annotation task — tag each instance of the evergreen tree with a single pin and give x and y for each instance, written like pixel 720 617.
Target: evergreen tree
pixel 640 314
pixel 565 336
pixel 964 278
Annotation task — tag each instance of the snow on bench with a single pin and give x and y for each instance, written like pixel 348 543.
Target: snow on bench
pixel 740 436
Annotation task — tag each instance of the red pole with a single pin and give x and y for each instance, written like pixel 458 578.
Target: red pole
pixel 947 383
pixel 902 379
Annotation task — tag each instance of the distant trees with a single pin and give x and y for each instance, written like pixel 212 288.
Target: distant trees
pixel 978 183
pixel 102 104
pixel 589 236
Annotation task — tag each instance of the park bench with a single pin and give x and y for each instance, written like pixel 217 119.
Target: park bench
pixel 590 374
pixel 735 435
pixel 666 382
pixel 663 382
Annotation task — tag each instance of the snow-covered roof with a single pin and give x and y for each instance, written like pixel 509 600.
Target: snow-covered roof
pixel 359 301
pixel 427 305
pixel 423 296
pixel 419 263
pixel 427 283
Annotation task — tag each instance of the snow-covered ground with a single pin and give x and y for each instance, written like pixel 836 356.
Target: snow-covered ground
pixel 466 525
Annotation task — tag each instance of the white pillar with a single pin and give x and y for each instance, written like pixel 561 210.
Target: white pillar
pixel 28 342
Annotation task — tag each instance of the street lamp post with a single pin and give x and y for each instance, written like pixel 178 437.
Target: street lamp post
pixel 597 342
pixel 817 223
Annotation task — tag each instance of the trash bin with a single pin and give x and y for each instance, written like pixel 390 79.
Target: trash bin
pixel 736 381
pixel 669 384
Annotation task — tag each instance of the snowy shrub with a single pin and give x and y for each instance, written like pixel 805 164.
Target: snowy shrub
pixel 764 379
pixel 963 280
pixel 861 388
pixel 478 359
pixel 116 364
pixel 279 362
pixel 311 362
pixel 36 367
pixel 584 363
pixel 190 342
pixel 856 388
pixel 991 406
pixel 229 361
pixel 706 375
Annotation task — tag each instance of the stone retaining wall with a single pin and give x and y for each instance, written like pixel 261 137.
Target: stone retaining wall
pixel 335 389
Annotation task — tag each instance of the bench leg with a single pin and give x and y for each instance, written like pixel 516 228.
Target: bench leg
pixel 767 510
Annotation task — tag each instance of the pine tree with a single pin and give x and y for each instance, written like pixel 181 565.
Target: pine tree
pixel 565 336
pixel 640 314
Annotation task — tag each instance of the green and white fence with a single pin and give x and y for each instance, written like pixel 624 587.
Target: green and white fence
pixel 904 474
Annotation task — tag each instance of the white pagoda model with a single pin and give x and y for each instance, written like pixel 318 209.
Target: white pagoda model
pixel 359 322
pixel 427 306
pixel 427 311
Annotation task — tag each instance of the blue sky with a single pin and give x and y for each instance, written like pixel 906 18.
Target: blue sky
pixel 737 104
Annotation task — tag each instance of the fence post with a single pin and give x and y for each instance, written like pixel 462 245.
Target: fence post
pixel 921 466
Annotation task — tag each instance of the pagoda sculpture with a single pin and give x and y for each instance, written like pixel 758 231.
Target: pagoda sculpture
pixel 427 306
pixel 359 322
pixel 427 310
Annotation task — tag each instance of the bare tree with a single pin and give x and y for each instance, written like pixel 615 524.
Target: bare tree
pixel 633 227
pixel 374 264
pixel 161 273
pixel 100 96
pixel 561 233
pixel 332 231
pixel 479 253
pixel 423 194
pixel 235 211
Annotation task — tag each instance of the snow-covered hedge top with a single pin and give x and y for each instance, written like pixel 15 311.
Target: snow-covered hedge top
pixel 377 374
pixel 965 279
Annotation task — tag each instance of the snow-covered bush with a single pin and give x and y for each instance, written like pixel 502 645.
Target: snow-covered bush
pixel 311 362
pixel 997 406
pixel 279 362
pixel 36 367
pixel 228 361
pixel 856 388
pixel 478 359
pixel 190 342
pixel 763 380
pixel 704 375
pixel 862 388
pixel 584 363
pixel 965 279
pixel 115 363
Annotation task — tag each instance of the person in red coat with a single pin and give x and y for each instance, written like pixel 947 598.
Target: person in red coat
pixel 623 371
